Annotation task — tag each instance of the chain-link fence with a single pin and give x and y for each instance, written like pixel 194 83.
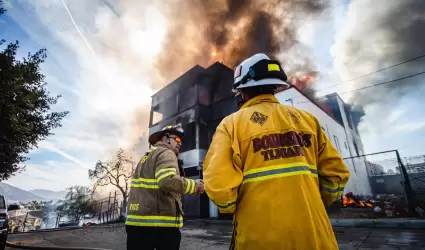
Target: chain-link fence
pixel 415 168
pixel 388 177
pixel 375 174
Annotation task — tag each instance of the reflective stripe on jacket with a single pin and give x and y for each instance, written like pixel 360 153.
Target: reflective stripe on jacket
pixel 275 169
pixel 156 188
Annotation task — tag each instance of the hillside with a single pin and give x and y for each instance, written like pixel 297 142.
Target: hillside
pixel 48 194
pixel 14 194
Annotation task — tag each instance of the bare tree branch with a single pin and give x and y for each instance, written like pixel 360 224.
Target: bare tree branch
pixel 117 172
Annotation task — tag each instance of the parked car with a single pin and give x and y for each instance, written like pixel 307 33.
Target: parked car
pixel 14 207
pixel 4 223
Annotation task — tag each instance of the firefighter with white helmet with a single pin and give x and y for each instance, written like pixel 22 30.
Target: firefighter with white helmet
pixel 154 210
pixel 273 167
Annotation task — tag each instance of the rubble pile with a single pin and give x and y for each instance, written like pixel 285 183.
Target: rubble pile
pixel 390 206
pixel 352 206
pixel 89 224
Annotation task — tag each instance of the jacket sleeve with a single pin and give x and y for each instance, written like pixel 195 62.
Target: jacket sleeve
pixel 222 170
pixel 166 175
pixel 332 171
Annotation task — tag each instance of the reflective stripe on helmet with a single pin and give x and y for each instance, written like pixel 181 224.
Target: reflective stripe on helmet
pixel 273 67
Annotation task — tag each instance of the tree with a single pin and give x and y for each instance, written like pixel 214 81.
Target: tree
pixel 25 104
pixel 117 173
pixel 78 203
pixel 2 10
pixel 35 205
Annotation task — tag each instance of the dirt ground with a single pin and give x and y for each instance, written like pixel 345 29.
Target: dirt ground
pixel 205 236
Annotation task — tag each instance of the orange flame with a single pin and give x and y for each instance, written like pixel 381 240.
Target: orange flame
pixel 303 80
pixel 349 200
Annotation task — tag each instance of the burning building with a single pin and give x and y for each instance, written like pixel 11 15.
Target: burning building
pixel 200 98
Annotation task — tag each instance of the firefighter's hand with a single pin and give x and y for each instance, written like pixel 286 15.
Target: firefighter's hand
pixel 199 186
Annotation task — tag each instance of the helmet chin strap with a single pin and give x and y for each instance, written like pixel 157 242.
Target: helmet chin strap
pixel 239 98
pixel 168 138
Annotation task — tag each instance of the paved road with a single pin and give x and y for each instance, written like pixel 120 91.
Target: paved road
pixel 203 236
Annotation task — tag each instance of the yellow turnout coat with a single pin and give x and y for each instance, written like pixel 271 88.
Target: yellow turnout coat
pixel 276 170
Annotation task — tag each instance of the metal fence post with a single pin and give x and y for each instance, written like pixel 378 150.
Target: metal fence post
pixel 25 221
pixel 109 208
pixel 407 186
pixel 115 204
pixel 100 211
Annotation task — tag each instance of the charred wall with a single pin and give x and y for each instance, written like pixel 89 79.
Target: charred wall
pixel 200 97
pixel 181 83
pixel 199 100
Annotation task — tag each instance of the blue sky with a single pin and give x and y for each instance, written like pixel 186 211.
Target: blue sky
pixel 104 91
pixel 101 64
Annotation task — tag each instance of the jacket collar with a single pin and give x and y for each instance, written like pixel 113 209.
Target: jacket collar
pixel 260 99
pixel 162 144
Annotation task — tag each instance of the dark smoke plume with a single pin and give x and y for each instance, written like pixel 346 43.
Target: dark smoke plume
pixel 203 32
pixel 378 38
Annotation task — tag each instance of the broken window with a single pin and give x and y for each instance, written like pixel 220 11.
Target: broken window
pixel 204 93
pixel 187 98
pixel 189 142
pixel 203 137
pixel 169 106
pixel 223 89
pixel 224 108
pixel 157 117
pixel 165 108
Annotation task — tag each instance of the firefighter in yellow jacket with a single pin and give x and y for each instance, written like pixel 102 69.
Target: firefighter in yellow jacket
pixel 273 167
pixel 154 210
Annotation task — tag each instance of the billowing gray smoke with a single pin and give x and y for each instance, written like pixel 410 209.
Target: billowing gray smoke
pixel 375 38
pixel 229 31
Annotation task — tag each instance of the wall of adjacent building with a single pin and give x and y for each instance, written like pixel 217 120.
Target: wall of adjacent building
pixel 341 137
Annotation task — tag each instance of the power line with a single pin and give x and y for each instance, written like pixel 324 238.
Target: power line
pixel 368 74
pixel 382 83
pixel 389 67
pixel 374 85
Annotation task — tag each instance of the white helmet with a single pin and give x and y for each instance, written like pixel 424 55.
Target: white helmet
pixel 259 70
